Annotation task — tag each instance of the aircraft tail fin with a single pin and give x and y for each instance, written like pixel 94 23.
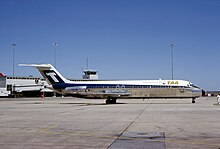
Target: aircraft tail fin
pixel 1 74
pixel 51 75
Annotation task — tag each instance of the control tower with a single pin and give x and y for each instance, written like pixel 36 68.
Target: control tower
pixel 90 74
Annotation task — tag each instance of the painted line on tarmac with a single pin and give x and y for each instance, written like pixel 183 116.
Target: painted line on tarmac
pixel 188 141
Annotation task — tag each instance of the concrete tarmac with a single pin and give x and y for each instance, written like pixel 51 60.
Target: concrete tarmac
pixel 64 123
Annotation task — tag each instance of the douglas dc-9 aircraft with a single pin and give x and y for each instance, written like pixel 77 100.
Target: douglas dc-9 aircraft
pixel 111 90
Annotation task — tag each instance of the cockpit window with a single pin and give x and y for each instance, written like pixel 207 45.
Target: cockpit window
pixel 192 85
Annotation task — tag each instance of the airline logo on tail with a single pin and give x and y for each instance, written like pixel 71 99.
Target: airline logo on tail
pixel 52 76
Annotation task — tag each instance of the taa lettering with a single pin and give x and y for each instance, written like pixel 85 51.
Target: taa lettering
pixel 172 82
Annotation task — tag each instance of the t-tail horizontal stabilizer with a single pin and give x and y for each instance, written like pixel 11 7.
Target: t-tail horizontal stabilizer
pixel 51 75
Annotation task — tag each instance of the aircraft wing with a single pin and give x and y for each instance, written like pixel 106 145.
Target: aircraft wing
pixel 113 93
pixel 103 94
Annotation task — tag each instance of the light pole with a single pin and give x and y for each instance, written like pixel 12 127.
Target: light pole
pixel 55 58
pixel 172 45
pixel 13 59
pixel 55 53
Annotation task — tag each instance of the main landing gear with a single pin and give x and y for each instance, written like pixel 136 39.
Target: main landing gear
pixel 111 100
pixel 193 100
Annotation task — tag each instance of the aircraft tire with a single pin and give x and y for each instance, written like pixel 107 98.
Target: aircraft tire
pixel 111 101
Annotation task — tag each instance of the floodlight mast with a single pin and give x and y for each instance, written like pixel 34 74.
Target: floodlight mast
pixel 55 59
pixel 172 45
pixel 55 53
pixel 13 59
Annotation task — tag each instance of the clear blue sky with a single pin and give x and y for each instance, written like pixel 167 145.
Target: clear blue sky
pixel 123 39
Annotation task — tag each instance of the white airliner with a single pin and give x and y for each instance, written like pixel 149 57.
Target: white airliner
pixel 111 90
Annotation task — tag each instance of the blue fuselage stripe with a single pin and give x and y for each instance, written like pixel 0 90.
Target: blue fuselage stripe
pixel 64 85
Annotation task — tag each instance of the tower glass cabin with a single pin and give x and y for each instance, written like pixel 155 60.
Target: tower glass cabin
pixel 90 74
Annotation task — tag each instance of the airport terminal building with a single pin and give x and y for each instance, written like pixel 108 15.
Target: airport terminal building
pixel 11 86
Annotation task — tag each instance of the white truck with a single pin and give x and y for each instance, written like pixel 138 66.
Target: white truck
pixel 3 88
pixel 4 92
